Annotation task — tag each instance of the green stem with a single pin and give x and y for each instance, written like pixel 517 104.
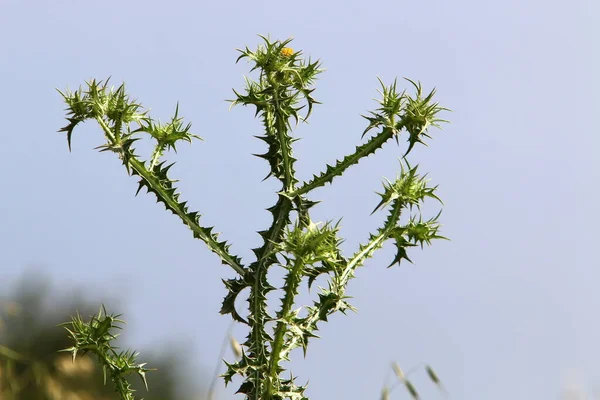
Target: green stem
pixel 258 305
pixel 107 131
pixel 340 167
pixel 284 140
pixel 376 243
pixel 310 320
pixel 292 282
pixel 173 205
pixel 280 220
pixel 199 231
pixel 357 260
pixel 156 155
pixel 362 255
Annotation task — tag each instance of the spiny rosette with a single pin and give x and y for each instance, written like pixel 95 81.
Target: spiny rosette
pixel 416 232
pixel 419 114
pixel 114 110
pixel 409 189
pixel 273 57
pixel 167 135
pixel 285 78
pixel 423 232
pixel 389 115
pixel 96 337
pixel 313 243
pixel 399 111
pixel 101 102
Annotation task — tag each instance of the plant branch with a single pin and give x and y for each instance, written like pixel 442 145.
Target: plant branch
pixel 341 166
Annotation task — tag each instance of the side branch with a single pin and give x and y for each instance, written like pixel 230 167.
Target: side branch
pixel 375 242
pixel 115 112
pixel 153 184
pixel 341 166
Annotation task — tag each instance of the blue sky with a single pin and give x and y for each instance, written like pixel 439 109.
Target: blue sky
pixel 507 309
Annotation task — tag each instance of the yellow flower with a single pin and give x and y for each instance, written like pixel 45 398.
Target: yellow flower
pixel 287 51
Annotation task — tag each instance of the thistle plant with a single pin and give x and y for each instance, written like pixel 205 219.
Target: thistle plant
pixel 282 96
pixel 96 337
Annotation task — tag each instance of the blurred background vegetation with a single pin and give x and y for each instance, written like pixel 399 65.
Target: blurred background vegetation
pixel 31 368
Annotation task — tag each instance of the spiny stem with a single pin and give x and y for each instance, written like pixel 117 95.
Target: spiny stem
pixel 156 154
pixel 107 131
pixel 280 121
pixel 174 206
pixel 291 288
pixel 373 245
pixel 154 183
pixel 340 167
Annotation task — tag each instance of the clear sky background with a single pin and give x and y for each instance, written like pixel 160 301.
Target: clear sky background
pixel 506 310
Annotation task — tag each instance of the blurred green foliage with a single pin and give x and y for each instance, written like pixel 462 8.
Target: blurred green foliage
pixel 31 368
